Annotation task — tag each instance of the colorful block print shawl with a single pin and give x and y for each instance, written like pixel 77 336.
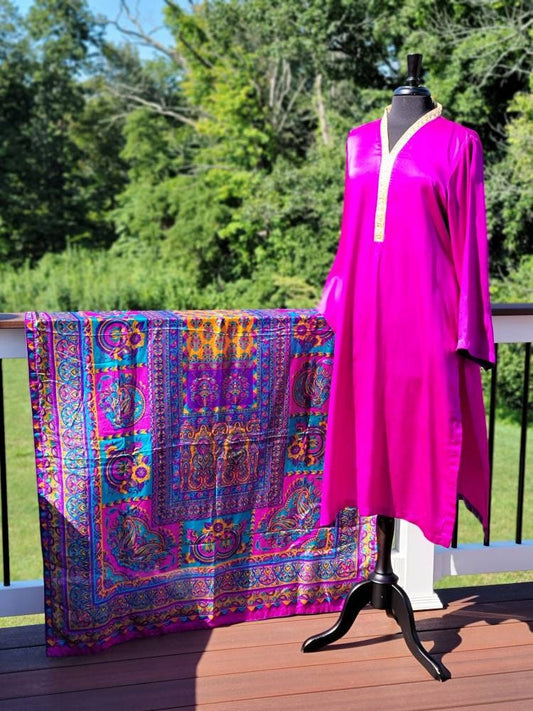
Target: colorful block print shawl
pixel 179 461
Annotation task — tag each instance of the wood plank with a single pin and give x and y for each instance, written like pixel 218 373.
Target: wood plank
pixel 355 675
pixel 518 607
pixel 484 635
pixel 372 625
pixel 13 320
pixel 25 636
pixel 418 695
pixel 522 705
pixel 220 672
pixel 412 696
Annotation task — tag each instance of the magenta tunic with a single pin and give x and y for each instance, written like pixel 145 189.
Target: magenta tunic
pixel 408 299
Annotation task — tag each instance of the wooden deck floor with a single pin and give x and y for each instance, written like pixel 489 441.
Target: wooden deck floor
pixel 484 636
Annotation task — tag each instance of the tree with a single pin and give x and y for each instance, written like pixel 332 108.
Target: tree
pixel 16 64
pixel 224 156
pixel 48 200
pixel 479 58
pixel 510 187
pixel 257 91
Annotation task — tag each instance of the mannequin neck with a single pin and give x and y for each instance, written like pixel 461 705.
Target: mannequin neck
pixel 405 110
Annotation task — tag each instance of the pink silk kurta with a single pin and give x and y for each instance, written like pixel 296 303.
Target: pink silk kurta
pixel 408 299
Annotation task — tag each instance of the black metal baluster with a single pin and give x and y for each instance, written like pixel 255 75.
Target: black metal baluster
pixel 492 423
pixel 456 527
pixel 523 442
pixel 3 487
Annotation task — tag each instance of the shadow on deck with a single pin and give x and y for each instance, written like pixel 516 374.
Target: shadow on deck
pixel 484 636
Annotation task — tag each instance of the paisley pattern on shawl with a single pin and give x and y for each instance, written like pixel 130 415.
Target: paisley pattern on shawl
pixel 179 462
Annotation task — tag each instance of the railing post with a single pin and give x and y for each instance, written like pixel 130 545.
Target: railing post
pixel 413 561
pixel 492 426
pixel 3 488
pixel 523 443
pixel 12 345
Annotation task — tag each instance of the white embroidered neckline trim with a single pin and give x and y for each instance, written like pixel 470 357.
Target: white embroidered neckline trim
pixel 387 161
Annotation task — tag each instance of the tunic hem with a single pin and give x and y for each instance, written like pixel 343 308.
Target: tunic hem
pixel 438 538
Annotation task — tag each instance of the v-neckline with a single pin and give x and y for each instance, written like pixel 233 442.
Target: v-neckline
pixel 386 151
pixel 388 158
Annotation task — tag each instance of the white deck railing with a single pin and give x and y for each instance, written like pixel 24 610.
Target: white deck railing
pixel 418 563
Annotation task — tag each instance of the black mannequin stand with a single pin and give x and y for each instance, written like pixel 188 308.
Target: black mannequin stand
pixel 382 592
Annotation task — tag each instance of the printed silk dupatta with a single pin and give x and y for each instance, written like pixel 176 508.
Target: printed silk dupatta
pixel 179 460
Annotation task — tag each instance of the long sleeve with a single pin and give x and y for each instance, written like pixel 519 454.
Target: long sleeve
pixel 468 233
pixel 330 304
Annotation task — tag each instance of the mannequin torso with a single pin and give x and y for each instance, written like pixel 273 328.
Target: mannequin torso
pixel 405 110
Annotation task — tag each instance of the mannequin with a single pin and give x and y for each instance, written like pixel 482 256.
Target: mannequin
pixel 381 590
pixel 409 102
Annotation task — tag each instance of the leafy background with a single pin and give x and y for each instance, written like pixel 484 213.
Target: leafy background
pixel 212 174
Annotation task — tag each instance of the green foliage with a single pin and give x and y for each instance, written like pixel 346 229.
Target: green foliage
pixel 213 176
pixel 81 279
pixel 253 187
pixel 224 157
pixel 57 159
pixel 274 87
pixel 478 58
pixel 292 219
pixel 515 288
pixel 510 187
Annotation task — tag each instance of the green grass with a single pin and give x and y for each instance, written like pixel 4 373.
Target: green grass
pixel 26 561
pixel 21 621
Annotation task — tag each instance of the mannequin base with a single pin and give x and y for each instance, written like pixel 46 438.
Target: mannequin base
pixel 382 592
